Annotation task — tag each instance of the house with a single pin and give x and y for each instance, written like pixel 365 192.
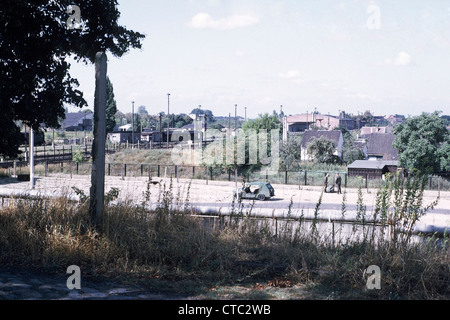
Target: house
pixel 309 136
pixel 379 147
pixel 372 169
pixel 78 121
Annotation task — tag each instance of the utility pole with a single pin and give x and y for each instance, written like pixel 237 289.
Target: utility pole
pixel 132 124
pixel 160 130
pixel 168 119
pixel 31 158
pixel 235 119
pixel 97 191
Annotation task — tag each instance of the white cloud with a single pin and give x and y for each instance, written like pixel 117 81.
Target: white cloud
pixel 403 59
pixel 291 74
pixel 205 21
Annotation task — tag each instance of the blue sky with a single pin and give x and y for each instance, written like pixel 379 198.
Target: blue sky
pixel 353 55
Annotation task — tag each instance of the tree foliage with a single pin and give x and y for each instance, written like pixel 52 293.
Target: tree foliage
pixel 290 154
pixel 207 113
pixel 263 122
pixel 35 44
pixel 111 107
pixel 322 150
pixel 423 143
pixel 351 152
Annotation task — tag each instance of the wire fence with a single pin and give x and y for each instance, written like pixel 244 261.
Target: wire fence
pixel 294 178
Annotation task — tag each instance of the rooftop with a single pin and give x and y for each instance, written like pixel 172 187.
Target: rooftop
pixel 367 164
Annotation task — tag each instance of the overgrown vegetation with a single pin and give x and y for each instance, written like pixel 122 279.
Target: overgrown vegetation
pixel 167 246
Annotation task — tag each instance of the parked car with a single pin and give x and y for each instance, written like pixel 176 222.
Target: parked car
pixel 255 190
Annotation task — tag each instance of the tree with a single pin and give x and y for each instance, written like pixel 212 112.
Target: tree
pixel 290 154
pixel 111 107
pixel 350 151
pixel 444 155
pixel 265 123
pixel 208 114
pixel 322 150
pixel 142 111
pixel 422 143
pixel 35 43
pixel 352 154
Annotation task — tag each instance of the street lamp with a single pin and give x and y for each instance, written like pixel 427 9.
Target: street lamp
pixel 168 118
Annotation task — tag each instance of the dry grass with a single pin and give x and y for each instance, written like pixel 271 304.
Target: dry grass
pixel 164 248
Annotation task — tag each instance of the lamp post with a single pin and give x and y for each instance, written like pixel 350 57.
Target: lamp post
pixel 168 119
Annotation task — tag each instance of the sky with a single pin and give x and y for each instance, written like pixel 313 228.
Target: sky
pixel 389 57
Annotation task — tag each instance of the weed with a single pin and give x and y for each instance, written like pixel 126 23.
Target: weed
pixel 177 247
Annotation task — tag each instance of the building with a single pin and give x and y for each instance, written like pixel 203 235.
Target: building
pixel 367 131
pixel 309 136
pixel 122 137
pixel 78 122
pixel 379 147
pixel 299 123
pixel 372 169
pixel 303 122
pixel 125 128
pixel 395 119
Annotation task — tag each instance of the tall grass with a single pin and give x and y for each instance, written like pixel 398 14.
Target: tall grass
pixel 168 243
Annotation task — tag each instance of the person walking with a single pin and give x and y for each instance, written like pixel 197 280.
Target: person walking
pixel 338 183
pixel 325 182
